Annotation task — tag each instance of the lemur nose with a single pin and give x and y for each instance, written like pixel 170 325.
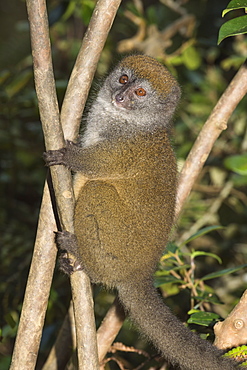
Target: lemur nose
pixel 119 98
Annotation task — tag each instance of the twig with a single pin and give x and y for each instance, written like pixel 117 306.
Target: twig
pixel 109 327
pixel 58 358
pixel 210 216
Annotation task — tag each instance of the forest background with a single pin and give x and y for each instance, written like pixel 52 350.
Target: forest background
pixel 182 34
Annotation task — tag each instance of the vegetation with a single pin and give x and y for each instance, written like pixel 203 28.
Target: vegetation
pixel 183 36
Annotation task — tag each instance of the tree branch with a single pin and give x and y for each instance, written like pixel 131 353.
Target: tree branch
pixel 109 328
pixel 232 331
pixel 66 339
pixel 37 290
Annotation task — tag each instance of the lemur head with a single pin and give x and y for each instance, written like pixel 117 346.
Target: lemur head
pixel 141 89
pixel 139 94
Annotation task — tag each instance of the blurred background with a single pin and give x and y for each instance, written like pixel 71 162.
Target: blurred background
pixel 181 34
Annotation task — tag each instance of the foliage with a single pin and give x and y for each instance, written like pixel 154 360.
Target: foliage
pixel 204 71
pixel 239 353
pixel 235 26
pixel 178 268
pixel 237 163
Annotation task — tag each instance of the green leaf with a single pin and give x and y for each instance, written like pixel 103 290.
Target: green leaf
pixel 167 268
pixel 201 232
pixel 87 10
pixel 238 352
pixel 235 4
pixel 70 10
pixel 210 299
pixel 223 272
pixel 151 14
pixel 233 61
pixel 171 247
pixel 200 253
pixel 237 163
pixel 4 74
pixel 203 318
pixel 239 180
pixel 191 58
pixel 5 362
pixel 18 83
pixel 158 281
pixel 233 27
pixel 9 319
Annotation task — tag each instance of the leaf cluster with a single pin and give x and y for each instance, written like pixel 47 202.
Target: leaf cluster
pixel 179 269
pixel 236 25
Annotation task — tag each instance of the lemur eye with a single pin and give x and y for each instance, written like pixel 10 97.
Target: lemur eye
pixel 123 79
pixel 140 92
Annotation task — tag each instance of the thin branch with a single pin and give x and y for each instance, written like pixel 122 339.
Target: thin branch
pixel 216 123
pixel 106 334
pixel 58 357
pixel 209 217
pixel 41 271
pixel 111 325
pixel 37 290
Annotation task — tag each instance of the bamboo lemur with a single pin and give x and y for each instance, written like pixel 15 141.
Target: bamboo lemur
pixel 125 188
